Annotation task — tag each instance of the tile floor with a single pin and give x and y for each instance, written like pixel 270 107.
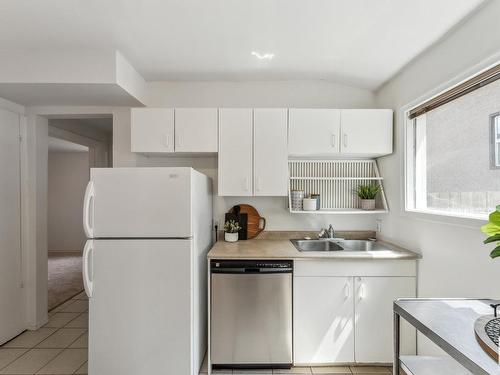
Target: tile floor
pixel 60 348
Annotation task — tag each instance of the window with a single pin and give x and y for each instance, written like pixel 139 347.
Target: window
pixel 453 153
pixel 495 140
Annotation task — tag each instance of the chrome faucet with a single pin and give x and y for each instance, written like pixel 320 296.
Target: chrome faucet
pixel 327 233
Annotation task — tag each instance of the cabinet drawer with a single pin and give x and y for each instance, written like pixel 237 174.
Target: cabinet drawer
pixel 349 267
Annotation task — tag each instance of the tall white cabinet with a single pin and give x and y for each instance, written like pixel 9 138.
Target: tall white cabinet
pixel 11 293
pixel 253 152
pixel 270 152
pixel 235 152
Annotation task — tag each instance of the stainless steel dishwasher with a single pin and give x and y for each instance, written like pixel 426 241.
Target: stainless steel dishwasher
pixel 251 313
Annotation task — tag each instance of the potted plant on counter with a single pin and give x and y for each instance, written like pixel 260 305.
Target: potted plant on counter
pixel 231 228
pixel 367 194
pixel 492 229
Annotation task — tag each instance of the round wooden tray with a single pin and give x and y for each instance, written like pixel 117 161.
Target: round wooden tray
pixel 487 330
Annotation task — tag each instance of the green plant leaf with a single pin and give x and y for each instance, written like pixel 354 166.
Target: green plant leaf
pixel 496 252
pixel 494 238
pixel 498 208
pixel 490 229
pixel 495 218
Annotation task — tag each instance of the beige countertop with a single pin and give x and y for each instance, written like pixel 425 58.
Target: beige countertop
pixel 284 249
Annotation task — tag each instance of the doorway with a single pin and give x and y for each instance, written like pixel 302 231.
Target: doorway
pixel 75 146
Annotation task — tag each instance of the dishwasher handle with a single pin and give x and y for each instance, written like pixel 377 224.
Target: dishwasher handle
pixel 251 266
pixel 252 270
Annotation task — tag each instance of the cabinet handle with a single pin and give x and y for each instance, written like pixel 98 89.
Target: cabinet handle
pixel 166 140
pixel 362 291
pixel 245 184
pixel 347 291
pixel 345 140
pixel 334 138
pixel 258 185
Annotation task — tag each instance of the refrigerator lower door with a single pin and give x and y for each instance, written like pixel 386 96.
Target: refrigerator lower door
pixel 140 309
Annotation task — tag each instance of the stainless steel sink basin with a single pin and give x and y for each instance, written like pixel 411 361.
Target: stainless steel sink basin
pixel 337 245
pixel 316 245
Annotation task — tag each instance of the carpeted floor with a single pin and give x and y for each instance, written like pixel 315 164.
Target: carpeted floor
pixel 65 276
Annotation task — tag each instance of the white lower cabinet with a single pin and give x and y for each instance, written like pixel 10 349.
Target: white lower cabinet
pixel 339 318
pixel 324 320
pixel 374 297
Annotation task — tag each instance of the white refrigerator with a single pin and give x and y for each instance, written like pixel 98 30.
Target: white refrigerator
pixel 144 269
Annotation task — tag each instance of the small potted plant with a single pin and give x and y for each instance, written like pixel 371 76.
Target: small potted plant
pixel 367 194
pixel 231 228
pixel 492 229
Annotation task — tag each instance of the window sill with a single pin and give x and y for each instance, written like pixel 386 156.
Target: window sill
pixel 443 217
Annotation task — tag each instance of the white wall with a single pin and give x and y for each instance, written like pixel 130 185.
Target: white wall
pixel 455 262
pixel 320 94
pixel 67 178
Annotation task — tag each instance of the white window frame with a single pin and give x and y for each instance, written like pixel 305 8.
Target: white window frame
pixel 408 196
pixel 495 140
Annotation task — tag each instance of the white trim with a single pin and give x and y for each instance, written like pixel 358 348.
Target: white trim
pixel 436 216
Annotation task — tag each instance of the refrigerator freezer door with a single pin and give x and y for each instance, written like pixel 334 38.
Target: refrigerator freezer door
pixel 140 319
pixel 139 203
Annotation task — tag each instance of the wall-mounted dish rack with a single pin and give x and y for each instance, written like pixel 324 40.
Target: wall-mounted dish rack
pixel 335 181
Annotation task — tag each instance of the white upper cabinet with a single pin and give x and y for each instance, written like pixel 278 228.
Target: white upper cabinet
pixel 270 152
pixel 235 152
pixel 366 132
pixel 314 132
pixel 196 129
pixel 152 130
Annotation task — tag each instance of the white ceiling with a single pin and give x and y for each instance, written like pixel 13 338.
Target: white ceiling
pixel 358 42
pixel 60 145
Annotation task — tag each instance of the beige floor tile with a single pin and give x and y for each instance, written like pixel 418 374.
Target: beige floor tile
pixel 82 342
pixel 82 321
pixel 30 339
pixel 60 319
pixel 62 306
pixel 67 362
pixel 77 306
pixel 331 370
pixel 371 370
pixel 9 355
pixel 62 338
pixel 83 369
pixel 31 361
pixel 294 370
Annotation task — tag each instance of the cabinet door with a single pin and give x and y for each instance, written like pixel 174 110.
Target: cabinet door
pixel 11 293
pixel 323 320
pixel 196 130
pixel 374 297
pixel 314 131
pixel 270 152
pixel 152 130
pixel 235 152
pixel 366 132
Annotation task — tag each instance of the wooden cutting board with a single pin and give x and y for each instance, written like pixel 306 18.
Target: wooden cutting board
pixel 255 223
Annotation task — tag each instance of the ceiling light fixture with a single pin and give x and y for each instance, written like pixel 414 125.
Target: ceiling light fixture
pixel 263 56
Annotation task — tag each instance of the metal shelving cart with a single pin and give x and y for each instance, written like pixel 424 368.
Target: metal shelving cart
pixel 449 323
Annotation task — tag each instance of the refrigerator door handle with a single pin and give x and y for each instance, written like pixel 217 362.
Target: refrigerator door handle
pixel 88 255
pixel 88 203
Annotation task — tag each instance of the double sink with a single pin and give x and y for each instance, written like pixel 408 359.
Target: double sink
pixel 337 244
